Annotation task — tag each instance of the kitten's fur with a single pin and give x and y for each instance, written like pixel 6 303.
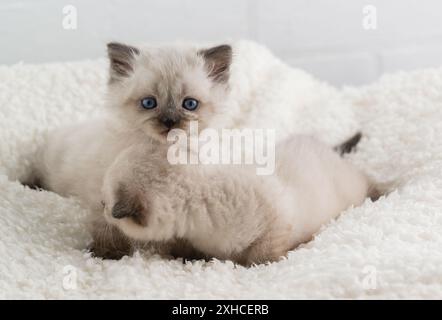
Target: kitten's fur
pixel 229 212
pixel 75 160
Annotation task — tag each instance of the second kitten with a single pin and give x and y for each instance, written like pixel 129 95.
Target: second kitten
pixel 229 212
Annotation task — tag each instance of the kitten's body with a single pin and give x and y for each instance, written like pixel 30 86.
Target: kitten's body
pixel 229 212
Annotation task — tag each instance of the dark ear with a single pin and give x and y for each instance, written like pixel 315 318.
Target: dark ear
pixel 121 58
pixel 218 60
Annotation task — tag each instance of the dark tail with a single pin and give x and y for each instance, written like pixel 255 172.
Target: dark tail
pixel 348 145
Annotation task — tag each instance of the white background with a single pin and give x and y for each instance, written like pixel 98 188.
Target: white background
pixel 325 37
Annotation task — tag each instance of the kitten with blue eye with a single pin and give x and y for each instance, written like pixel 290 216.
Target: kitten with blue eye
pixel 151 90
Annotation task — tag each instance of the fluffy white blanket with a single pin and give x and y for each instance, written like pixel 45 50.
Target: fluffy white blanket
pixel 388 249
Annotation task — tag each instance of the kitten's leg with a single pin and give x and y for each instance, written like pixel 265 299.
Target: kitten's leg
pixel 109 242
pixel 33 180
pixel 377 190
pixel 271 247
pixel 181 248
pixel 34 175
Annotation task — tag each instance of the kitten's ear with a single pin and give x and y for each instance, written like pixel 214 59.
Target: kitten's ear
pixel 218 60
pixel 121 58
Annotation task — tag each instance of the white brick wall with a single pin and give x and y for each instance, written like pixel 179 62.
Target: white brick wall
pixel 323 36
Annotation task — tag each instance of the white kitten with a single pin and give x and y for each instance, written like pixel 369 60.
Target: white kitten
pixel 151 91
pixel 229 212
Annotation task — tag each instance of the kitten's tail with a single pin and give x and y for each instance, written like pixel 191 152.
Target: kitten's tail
pixel 379 189
pixel 348 145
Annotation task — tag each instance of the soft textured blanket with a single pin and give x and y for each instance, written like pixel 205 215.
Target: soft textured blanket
pixel 388 249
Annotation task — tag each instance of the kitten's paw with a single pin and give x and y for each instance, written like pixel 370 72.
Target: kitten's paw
pixel 183 249
pixel 128 204
pixel 107 252
pixel 377 190
pixel 109 242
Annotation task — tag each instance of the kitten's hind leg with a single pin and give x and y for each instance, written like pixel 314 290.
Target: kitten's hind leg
pixel 377 190
pixel 271 247
pixel 109 242
pixel 181 248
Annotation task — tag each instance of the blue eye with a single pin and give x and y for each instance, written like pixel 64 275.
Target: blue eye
pixel 190 104
pixel 148 103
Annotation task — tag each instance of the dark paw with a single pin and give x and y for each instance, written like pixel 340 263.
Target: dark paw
pixel 108 253
pixel 183 249
pixel 129 205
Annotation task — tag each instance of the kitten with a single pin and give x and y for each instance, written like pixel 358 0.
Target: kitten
pixel 229 212
pixel 150 92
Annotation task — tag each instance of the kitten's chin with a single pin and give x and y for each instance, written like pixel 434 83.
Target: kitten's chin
pixel 159 135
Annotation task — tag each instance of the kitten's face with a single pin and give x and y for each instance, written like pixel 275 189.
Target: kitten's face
pixel 159 89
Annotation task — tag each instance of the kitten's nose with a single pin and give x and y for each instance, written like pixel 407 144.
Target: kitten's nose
pixel 169 123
